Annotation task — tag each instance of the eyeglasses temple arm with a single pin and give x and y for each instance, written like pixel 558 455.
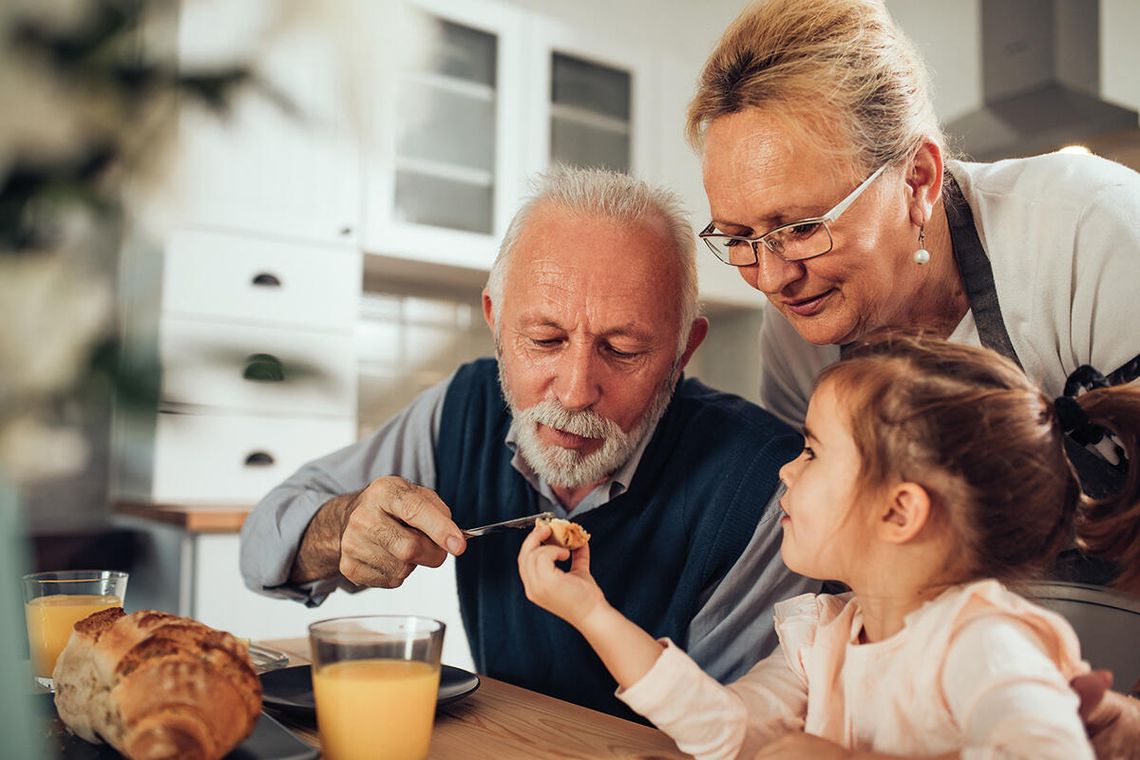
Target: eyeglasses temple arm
pixel 844 204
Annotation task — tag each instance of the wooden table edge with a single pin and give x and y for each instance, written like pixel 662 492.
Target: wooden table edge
pixel 298 651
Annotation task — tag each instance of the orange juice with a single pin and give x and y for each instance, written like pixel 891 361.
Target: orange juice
pixel 375 708
pixel 50 621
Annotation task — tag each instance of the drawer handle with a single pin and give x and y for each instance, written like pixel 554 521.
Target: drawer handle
pixel 263 368
pixel 259 459
pixel 267 280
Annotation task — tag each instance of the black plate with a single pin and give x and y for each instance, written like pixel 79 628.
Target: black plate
pixel 269 741
pixel 291 689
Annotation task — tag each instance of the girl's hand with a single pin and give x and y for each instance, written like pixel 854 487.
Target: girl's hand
pixel 572 595
pixel 799 745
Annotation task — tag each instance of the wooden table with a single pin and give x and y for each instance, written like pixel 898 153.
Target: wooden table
pixel 500 721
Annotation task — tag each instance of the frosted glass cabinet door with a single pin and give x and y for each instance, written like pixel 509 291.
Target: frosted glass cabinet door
pixel 590 110
pixel 445 151
pixel 443 162
pixel 593 98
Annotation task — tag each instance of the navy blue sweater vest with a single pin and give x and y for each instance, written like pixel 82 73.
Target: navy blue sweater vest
pixel 692 506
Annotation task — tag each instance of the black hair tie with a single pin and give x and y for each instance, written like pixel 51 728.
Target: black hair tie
pixel 1085 377
pixel 1075 421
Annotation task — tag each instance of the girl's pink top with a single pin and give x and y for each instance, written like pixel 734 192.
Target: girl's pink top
pixel 978 670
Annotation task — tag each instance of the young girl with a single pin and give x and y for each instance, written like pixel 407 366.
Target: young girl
pixel 931 473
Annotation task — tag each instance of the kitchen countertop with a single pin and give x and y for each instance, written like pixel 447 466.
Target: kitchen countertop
pixel 195 518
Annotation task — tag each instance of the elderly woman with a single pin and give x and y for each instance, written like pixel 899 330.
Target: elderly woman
pixel 831 190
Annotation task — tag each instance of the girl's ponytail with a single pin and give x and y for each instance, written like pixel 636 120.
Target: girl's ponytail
pixel 1109 527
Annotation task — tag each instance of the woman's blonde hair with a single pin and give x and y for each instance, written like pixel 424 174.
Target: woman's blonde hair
pixel 842 61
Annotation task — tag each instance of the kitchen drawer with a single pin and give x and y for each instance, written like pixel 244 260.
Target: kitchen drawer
pixel 235 459
pixel 248 278
pixel 235 368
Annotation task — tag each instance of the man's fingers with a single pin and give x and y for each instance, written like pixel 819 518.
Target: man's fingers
pixel 407 544
pixel 419 508
pixel 386 546
pixel 386 575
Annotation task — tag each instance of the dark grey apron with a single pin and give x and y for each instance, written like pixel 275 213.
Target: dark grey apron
pixel 1098 477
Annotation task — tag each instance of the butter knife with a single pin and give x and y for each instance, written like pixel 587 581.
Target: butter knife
pixel 518 522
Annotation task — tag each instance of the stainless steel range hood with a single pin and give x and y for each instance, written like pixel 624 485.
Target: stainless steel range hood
pixel 1041 79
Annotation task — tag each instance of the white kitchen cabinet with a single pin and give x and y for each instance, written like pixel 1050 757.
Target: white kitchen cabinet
pixel 262 168
pixel 253 342
pixel 501 95
pixel 443 162
pixel 589 98
pixel 257 369
pixel 233 458
pixel 254 279
pixel 417 140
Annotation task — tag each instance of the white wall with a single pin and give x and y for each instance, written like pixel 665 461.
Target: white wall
pixel 947 34
pixel 1119 52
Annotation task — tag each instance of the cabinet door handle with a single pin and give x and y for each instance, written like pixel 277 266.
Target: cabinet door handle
pixel 259 459
pixel 267 280
pixel 263 368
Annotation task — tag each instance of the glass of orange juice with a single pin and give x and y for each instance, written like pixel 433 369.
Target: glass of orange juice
pixel 55 602
pixel 375 681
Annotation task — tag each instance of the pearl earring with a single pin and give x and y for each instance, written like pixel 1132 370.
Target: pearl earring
pixel 921 256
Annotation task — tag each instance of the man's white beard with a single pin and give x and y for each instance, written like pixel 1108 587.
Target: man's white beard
pixel 567 468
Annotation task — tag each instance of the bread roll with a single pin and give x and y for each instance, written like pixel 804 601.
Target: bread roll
pixel 568 534
pixel 156 686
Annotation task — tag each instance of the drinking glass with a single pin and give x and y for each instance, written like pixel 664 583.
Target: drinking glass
pixel 375 681
pixel 55 602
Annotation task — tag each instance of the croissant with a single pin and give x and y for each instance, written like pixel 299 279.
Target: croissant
pixel 156 686
pixel 568 534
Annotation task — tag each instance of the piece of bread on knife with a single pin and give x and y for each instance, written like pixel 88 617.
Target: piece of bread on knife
pixel 156 686
pixel 569 535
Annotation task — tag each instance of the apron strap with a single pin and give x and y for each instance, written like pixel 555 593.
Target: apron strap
pixel 978 279
pixel 1098 477
pixel 977 274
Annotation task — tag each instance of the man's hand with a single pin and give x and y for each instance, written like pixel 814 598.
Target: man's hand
pixel 1111 719
pixel 378 535
pixel 392 526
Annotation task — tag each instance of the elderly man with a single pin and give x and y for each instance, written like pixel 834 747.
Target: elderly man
pixel 593 306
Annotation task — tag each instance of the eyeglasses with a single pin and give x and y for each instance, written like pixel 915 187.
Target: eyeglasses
pixel 794 241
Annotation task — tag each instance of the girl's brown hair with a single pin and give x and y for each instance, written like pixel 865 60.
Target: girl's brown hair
pixel 987 445
pixel 843 61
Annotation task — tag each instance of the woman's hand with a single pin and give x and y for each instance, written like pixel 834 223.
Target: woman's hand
pixel 572 596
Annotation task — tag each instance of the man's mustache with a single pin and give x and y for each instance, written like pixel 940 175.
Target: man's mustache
pixel 583 422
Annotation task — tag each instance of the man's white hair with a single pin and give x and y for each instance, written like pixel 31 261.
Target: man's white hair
pixel 610 195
